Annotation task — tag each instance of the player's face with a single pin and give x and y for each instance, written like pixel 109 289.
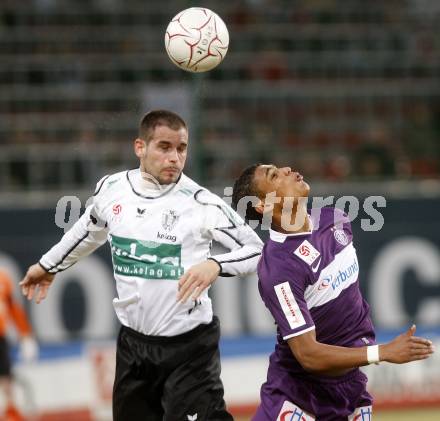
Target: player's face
pixel 164 155
pixel 283 181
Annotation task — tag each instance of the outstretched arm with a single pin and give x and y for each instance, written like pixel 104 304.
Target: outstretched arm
pixel 330 360
pixel 83 238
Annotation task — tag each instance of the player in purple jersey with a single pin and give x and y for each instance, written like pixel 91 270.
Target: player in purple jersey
pixel 308 279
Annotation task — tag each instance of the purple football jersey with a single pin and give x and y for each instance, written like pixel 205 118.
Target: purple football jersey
pixel 310 281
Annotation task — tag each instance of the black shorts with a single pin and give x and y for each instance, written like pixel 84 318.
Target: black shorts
pixel 169 378
pixel 5 360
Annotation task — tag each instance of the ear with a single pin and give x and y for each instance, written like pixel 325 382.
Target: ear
pixel 262 206
pixel 140 147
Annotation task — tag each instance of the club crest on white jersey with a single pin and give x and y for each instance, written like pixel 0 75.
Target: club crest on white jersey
pixel 307 252
pixel 169 219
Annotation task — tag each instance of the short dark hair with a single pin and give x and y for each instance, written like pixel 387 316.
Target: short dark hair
pixel 156 118
pixel 245 186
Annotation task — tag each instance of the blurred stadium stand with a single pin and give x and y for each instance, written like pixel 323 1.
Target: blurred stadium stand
pixel 345 90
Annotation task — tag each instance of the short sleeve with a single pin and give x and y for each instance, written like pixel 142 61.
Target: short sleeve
pixel 285 300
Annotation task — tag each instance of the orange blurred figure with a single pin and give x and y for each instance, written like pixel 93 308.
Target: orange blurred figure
pixel 10 309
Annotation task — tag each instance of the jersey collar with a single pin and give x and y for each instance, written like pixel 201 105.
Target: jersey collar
pixel 137 183
pixel 280 237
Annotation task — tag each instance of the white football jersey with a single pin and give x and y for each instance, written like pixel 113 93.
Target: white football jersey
pixel 154 239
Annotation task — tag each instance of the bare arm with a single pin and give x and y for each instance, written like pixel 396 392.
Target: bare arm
pixel 326 359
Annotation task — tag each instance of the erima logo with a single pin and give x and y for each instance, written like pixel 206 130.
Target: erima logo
pixel 140 213
pixel 192 417
pixel 169 237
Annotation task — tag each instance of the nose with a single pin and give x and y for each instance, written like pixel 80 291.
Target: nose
pixel 173 156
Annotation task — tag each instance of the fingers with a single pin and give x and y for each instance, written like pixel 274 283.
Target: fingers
pixel 24 289
pixel 419 349
pixel 198 291
pixel 419 357
pixel 421 341
pixel 187 287
pixel 183 280
pixel 194 291
pixel 24 284
pixel 36 283
pixel 411 331
pixel 422 348
pixel 30 292
pixel 37 291
pixel 192 286
pixel 417 346
pixel 27 286
pixel 42 293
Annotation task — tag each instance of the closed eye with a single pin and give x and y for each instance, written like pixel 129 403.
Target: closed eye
pixel 164 145
pixel 271 172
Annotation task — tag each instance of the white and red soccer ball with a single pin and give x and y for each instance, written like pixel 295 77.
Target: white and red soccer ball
pixel 196 39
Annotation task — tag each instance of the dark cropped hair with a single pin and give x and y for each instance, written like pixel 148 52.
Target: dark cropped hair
pixel 159 118
pixel 245 186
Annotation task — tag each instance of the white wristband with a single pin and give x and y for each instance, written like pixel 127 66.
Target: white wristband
pixel 373 354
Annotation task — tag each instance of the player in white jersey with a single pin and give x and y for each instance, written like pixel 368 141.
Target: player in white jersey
pixel 160 225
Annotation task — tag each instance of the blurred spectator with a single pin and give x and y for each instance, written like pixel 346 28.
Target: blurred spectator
pixel 270 64
pixel 375 157
pixel 422 139
pixel 10 309
pixel 317 74
pixel 338 168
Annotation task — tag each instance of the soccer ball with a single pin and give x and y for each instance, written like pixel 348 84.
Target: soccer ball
pixel 196 39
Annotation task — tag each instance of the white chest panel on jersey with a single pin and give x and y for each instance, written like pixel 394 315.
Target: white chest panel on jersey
pixel 153 242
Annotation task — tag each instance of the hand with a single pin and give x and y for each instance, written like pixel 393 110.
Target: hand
pixel 196 279
pixel 406 347
pixel 28 349
pixel 36 283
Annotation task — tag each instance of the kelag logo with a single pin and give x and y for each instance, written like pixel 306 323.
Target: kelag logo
pixel 146 259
